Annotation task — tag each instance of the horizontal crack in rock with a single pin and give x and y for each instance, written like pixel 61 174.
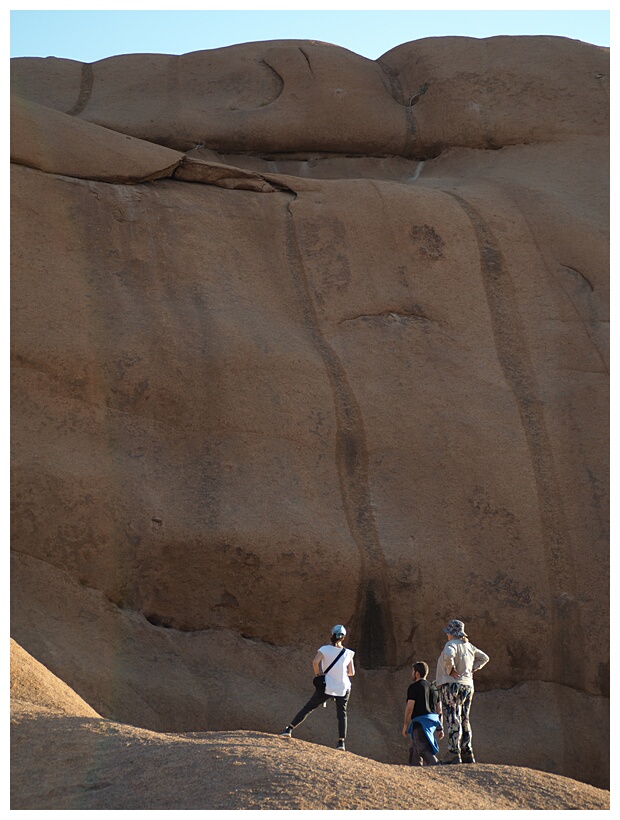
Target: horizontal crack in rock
pixel 390 316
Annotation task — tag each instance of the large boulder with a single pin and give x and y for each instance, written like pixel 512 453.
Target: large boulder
pixel 302 338
pixel 33 684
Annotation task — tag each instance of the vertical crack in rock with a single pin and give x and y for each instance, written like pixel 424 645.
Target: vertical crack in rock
pixel 580 276
pixel 398 94
pixel 308 61
pixel 86 89
pixel 372 623
pixel 279 78
pixel 513 355
pixel 578 306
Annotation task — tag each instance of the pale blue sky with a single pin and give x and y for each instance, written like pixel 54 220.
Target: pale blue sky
pixel 88 35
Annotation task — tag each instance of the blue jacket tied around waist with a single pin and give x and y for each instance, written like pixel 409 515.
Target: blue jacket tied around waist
pixel 428 723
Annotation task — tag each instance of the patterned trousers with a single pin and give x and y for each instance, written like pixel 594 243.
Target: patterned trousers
pixel 456 701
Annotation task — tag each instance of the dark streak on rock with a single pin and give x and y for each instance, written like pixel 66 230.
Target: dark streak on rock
pixel 94 786
pixel 514 359
pixel 86 89
pixel 372 623
pixel 396 90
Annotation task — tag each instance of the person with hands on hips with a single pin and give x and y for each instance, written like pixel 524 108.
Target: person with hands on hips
pixel 455 680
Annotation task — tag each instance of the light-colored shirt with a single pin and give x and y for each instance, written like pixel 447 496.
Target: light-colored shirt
pixel 464 657
pixel 337 682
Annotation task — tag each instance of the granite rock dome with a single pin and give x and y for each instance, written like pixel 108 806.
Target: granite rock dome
pixel 302 338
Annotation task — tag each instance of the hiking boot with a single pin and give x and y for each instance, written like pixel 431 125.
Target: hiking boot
pixel 468 759
pixel 340 746
pixel 451 759
pixel 287 732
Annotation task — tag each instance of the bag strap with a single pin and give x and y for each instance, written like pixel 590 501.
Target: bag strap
pixel 335 661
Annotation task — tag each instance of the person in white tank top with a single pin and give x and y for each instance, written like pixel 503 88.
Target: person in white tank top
pixel 333 669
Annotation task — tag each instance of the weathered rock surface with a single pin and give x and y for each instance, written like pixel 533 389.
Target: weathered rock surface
pixel 289 351
pixel 297 96
pixel 56 143
pixel 124 666
pixel 31 682
pixel 64 757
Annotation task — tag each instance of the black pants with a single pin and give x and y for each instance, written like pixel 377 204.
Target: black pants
pixel 420 751
pixel 316 700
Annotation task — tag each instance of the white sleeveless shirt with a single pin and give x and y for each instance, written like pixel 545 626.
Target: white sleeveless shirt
pixel 337 682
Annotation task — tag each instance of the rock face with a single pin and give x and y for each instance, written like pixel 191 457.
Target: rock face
pixel 32 683
pixel 302 338
pixel 65 756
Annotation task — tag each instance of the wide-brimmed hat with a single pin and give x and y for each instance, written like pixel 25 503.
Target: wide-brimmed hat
pixel 456 628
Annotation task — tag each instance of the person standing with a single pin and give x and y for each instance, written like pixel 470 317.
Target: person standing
pixel 422 718
pixel 335 663
pixel 455 680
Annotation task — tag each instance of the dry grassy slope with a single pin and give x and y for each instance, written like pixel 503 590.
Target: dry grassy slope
pixel 76 761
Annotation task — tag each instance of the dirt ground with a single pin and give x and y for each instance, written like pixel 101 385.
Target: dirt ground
pixel 78 762
pixel 65 756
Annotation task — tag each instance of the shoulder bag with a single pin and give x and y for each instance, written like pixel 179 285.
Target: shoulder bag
pixel 319 680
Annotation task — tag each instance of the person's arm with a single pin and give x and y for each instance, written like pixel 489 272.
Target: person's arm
pixel 408 713
pixel 480 658
pixel 350 669
pixel 449 655
pixel 438 710
pixel 316 663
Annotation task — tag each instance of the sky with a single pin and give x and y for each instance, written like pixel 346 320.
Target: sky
pixel 89 35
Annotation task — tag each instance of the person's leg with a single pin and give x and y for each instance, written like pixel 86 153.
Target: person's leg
pixel 415 758
pixel 316 700
pixel 467 750
pixel 452 712
pixel 426 750
pixel 341 711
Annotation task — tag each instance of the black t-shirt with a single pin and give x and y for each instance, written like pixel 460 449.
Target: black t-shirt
pixel 425 697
